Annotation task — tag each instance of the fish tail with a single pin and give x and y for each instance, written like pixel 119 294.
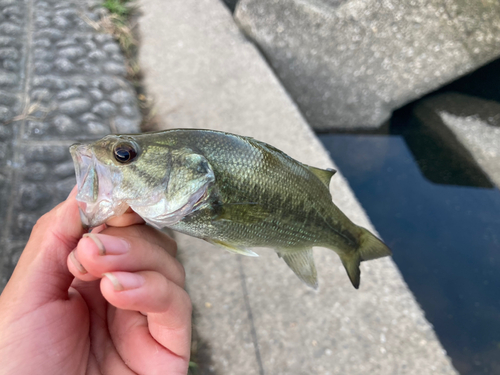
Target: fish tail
pixel 370 247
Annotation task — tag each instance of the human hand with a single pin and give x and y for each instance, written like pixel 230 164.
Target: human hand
pixel 109 303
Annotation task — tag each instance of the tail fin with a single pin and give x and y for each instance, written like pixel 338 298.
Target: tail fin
pixel 370 248
pixel 351 264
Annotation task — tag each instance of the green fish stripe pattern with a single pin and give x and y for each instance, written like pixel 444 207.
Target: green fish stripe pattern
pixel 230 190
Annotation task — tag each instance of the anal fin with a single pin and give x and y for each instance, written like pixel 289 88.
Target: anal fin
pixel 234 249
pixel 302 263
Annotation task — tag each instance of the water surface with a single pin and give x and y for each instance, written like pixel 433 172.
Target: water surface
pixel 445 239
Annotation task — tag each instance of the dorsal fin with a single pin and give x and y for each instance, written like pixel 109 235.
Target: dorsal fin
pixel 324 175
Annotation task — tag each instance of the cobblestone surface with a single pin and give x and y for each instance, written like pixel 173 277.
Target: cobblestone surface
pixel 78 107
pixel 10 255
pixel 4 183
pixel 47 175
pixel 60 81
pixel 13 37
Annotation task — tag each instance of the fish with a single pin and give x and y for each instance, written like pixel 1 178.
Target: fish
pixel 229 190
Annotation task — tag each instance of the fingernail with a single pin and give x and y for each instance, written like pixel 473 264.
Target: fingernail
pixel 124 280
pixel 76 263
pixel 109 245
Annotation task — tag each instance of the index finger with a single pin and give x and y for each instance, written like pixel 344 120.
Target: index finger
pixel 125 220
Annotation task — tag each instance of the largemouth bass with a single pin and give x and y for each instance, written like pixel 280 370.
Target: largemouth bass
pixel 229 190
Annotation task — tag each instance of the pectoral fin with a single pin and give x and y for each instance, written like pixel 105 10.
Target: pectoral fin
pixel 234 249
pixel 302 263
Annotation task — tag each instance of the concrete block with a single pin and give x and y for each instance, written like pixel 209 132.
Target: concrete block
pixel 474 122
pixel 349 63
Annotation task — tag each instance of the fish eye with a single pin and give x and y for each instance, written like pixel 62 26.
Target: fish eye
pixel 124 153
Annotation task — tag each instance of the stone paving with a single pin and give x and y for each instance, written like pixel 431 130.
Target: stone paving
pixel 61 81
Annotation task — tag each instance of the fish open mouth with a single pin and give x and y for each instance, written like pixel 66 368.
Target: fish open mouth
pixel 95 187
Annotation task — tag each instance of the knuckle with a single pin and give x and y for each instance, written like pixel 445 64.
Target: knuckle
pixel 180 271
pixel 171 244
pixel 112 231
pixel 139 232
pixel 43 221
pixel 189 304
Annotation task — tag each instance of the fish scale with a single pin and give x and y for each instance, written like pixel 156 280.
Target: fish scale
pixel 230 190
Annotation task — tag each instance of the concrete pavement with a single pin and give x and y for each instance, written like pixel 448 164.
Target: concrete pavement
pixel 253 316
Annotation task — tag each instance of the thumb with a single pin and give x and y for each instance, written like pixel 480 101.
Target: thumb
pixel 41 274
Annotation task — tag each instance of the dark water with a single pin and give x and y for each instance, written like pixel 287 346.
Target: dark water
pixel 445 239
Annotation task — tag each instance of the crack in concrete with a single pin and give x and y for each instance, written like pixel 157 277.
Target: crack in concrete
pixel 253 331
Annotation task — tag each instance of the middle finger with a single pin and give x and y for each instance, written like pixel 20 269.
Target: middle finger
pixel 128 249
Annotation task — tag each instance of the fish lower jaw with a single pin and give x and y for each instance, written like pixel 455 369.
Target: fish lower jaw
pixel 161 221
pixel 88 220
pixel 95 214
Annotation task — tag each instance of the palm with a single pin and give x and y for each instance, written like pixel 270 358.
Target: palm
pixel 108 325
pixel 87 335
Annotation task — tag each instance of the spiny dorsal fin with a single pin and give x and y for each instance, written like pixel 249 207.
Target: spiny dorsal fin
pixel 245 213
pixel 234 249
pixel 302 263
pixel 324 175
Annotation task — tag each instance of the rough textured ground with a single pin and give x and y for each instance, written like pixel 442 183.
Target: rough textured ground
pixel 60 81
pixel 253 316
